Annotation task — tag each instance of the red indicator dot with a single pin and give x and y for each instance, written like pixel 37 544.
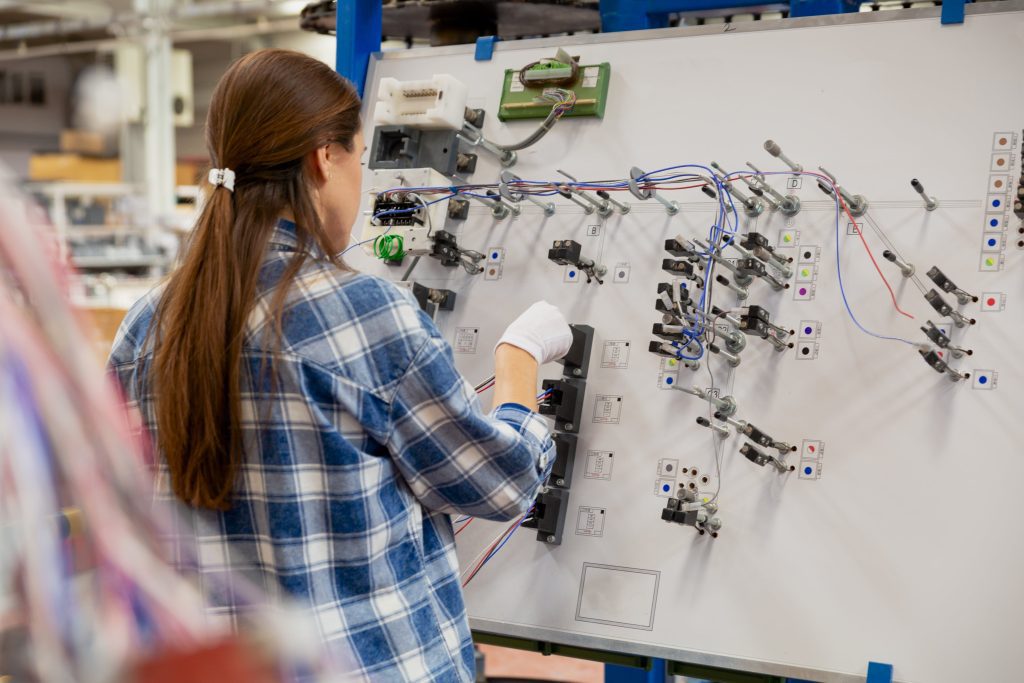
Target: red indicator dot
pixel 811 448
pixel 990 301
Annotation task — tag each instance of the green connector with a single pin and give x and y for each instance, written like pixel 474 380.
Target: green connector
pixel 520 101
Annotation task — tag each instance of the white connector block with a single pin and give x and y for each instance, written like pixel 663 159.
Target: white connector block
pixel 416 236
pixel 433 104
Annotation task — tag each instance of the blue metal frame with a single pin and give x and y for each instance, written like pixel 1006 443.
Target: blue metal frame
pixel 358 27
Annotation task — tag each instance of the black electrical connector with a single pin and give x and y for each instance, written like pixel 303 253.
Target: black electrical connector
pixel 433 300
pixel 938 303
pixel 399 147
pixel 565 403
pixel 565 252
pixel 568 253
pixel 761 458
pixel 577 360
pixel 548 515
pixel 565 459
pixel 677 294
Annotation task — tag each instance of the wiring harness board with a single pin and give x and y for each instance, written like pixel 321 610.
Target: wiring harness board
pixel 787 435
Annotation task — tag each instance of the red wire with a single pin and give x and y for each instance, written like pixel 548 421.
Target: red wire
pixel 892 294
pixel 463 527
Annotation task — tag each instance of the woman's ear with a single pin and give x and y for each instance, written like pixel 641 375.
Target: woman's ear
pixel 322 158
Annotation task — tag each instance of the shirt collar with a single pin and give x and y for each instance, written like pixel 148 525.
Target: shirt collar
pixel 285 238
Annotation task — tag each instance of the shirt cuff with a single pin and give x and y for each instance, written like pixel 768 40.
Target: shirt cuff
pixel 532 426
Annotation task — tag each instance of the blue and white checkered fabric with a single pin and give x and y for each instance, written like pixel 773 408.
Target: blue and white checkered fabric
pixel 353 464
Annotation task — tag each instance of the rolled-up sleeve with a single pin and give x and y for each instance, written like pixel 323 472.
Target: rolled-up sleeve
pixel 456 458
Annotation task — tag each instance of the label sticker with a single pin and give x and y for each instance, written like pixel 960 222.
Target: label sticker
pixel 615 355
pixel 621 273
pixel 608 409
pixel 516 85
pixel 984 379
pixel 466 339
pixel 599 465
pixel 992 302
pixel 590 521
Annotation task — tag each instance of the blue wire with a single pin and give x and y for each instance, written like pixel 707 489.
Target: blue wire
pixel 507 539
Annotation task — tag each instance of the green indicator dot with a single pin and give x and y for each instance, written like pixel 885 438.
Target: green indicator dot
pixel 787 238
pixel 672 363
pixel 989 262
pixel 805 272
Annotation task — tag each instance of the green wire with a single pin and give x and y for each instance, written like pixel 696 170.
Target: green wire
pixel 389 248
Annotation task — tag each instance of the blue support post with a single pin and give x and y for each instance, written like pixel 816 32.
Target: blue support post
pixel 358 31
pixel 879 673
pixel 953 11
pixel 485 48
pixel 614 673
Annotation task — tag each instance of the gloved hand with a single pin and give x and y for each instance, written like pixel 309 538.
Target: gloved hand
pixel 541 331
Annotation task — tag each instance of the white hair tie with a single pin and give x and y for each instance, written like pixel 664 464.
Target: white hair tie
pixel 222 176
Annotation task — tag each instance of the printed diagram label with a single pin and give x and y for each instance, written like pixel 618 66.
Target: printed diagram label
pixel 599 465
pixel 608 409
pixel 590 521
pixel 615 355
pixel 466 339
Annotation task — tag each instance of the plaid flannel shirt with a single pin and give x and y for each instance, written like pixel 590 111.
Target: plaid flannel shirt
pixel 353 464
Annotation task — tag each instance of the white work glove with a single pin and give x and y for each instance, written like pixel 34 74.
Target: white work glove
pixel 541 331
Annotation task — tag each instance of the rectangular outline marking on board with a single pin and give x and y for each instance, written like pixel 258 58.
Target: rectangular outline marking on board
pixel 608 567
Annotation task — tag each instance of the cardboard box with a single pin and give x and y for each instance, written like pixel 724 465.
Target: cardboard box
pixel 73 167
pixel 80 169
pixel 85 142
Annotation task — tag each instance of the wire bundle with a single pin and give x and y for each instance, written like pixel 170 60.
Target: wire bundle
pixel 66 443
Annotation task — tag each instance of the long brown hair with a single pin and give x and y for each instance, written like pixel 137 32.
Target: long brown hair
pixel 269 111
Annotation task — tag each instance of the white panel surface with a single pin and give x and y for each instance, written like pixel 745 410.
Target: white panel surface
pixel 902 543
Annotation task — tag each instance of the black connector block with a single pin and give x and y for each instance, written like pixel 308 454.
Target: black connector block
pixel 433 300
pixel 566 402
pixel 548 516
pixel 680 268
pixel 577 360
pixel 446 249
pixel 565 459
pixel 565 252
pixel 398 147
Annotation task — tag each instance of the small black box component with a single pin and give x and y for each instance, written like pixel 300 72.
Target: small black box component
pixel 682 268
pixel 937 302
pixel 565 252
pixel 548 516
pixel 566 402
pixel 565 459
pixel 676 248
pixel 577 360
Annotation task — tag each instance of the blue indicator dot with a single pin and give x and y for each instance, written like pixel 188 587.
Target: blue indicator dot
pixel 807 470
pixel 982 379
pixel 808 330
pixel 996 203
pixel 683 285
pixel 572 273
pixel 994 222
pixel 669 380
pixel 666 488
pixel 494 255
pixel 992 242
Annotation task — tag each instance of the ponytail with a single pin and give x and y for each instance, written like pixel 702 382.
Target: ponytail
pixel 271 109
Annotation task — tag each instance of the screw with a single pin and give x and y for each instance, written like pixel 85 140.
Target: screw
pixel 568 426
pixel 577 372
pixel 550 538
pixel 560 482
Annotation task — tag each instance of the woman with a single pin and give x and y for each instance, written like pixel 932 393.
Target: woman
pixel 312 415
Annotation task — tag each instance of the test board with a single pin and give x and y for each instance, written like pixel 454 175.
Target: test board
pixel 895 539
